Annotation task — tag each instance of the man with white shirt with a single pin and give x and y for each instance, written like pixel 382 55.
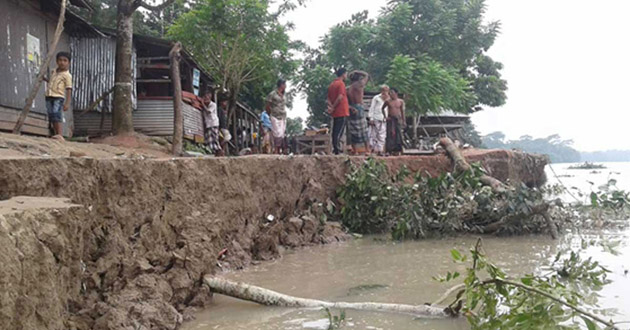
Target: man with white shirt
pixel 378 121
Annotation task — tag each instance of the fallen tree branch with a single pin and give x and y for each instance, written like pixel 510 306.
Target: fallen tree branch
pixel 43 69
pixel 461 165
pixel 448 293
pixel 608 324
pixel 271 298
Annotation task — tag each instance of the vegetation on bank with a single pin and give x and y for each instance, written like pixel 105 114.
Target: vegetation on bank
pixel 562 296
pixel 413 206
pixel 416 205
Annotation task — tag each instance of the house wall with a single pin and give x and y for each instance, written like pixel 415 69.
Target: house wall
pixel 17 74
pixel 154 117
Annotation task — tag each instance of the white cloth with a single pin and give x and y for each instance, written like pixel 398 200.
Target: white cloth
pixel 278 127
pixel 210 116
pixel 378 136
pixel 376 112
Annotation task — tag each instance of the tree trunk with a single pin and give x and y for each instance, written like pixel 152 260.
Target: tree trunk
pixel 178 125
pixel 122 120
pixel 461 165
pixel 42 70
pixel 270 298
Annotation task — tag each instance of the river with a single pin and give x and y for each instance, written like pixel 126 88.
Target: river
pixel 371 269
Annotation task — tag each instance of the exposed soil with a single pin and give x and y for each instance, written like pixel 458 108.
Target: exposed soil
pixel 131 146
pixel 133 255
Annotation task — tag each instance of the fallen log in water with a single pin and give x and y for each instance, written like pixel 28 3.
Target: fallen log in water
pixel 271 298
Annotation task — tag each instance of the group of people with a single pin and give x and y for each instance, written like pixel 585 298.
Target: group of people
pixel 378 130
pixel 273 122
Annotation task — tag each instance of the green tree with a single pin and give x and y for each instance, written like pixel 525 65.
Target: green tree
pixel 432 50
pixel 295 126
pixel 241 44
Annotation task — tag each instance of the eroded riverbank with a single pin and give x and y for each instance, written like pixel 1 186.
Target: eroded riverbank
pixel 133 254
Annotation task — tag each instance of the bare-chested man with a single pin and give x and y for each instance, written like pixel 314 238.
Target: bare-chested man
pixel 395 123
pixel 357 123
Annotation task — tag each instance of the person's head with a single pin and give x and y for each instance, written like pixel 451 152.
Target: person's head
pixel 223 104
pixel 63 60
pixel 342 73
pixel 282 85
pixel 393 92
pixel 384 90
pixel 207 97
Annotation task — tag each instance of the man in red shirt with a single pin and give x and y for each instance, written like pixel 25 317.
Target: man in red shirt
pixel 338 108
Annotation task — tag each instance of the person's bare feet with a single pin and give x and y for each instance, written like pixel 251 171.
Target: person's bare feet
pixel 58 137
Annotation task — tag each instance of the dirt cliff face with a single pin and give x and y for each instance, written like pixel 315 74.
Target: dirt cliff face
pixel 133 256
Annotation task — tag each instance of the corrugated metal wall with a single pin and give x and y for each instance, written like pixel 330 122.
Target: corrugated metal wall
pixel 153 117
pixel 93 70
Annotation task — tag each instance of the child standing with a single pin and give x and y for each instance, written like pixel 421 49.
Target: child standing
pixel 58 93
pixel 266 126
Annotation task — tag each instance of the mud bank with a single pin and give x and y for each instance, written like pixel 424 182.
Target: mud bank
pixel 133 254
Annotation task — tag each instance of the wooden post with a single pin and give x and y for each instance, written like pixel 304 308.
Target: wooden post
pixel 178 128
pixel 42 70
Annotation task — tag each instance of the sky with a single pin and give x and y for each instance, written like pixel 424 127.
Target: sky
pixel 567 63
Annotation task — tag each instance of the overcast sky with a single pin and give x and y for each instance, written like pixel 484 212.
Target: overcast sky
pixel 567 63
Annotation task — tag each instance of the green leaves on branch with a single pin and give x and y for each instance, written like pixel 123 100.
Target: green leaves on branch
pixel 560 299
pixel 446 42
pixel 240 43
pixel 420 206
pixel 429 87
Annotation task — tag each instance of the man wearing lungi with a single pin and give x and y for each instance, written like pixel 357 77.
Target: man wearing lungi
pixel 211 123
pixel 378 121
pixel 395 123
pixel 357 122
pixel 277 111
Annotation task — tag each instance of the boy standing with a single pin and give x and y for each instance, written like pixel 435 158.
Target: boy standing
pixel 266 128
pixel 59 93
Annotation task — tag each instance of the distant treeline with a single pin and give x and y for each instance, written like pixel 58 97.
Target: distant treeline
pixel 607 156
pixel 558 150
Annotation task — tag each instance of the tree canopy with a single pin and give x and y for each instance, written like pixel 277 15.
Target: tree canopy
pixel 241 43
pixel 434 51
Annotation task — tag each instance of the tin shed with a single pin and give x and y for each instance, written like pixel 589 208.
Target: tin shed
pixel 29 28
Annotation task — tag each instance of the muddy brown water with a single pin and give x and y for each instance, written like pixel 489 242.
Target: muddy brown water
pixel 370 269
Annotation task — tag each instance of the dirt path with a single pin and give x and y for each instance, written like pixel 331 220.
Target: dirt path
pixel 134 146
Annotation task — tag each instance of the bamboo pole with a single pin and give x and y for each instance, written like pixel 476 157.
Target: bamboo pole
pixel 178 128
pixel 271 298
pixel 42 70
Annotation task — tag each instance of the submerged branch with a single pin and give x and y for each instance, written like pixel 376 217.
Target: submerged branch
pixel 271 298
pixel 608 324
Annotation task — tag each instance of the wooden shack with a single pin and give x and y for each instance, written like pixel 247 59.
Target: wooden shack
pixel 94 65
pixel 29 28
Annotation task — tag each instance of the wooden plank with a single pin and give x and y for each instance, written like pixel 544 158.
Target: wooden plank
pixel 156 58
pixel 153 81
pixel 163 66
